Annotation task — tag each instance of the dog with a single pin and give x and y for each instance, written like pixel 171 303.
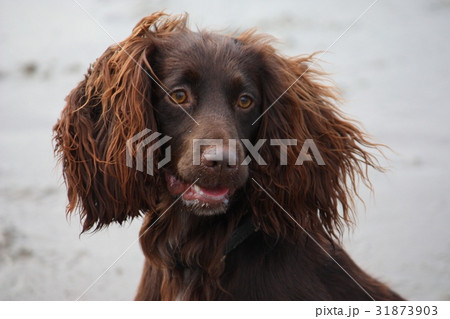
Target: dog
pixel 262 171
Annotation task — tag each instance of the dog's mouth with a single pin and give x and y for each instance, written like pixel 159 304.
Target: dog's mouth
pixel 194 194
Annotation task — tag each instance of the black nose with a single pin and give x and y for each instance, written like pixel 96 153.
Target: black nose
pixel 219 158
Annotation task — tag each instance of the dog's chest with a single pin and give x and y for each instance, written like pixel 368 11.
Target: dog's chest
pixel 183 293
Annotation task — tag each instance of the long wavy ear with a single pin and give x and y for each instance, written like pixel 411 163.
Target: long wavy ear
pixel 111 105
pixel 317 187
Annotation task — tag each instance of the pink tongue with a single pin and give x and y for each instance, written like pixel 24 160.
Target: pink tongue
pixel 208 196
pixel 218 191
pixel 177 187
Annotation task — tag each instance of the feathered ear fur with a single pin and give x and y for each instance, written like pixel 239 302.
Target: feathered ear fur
pixel 110 106
pixel 305 108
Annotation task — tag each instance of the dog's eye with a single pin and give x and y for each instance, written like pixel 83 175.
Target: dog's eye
pixel 245 101
pixel 179 96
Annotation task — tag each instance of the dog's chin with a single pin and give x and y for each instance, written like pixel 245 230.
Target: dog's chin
pixel 203 209
pixel 201 201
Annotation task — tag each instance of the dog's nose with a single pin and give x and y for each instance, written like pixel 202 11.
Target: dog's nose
pixel 219 158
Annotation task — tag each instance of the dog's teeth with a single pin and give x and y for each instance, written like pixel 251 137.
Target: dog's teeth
pixel 197 189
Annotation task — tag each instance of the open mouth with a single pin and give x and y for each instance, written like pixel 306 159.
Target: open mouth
pixel 210 196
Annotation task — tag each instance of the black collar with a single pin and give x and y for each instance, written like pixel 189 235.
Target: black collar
pixel 240 234
pixel 243 231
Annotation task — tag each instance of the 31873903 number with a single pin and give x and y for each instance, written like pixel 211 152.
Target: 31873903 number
pixel 407 310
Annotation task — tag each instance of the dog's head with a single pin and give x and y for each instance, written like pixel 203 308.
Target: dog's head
pixel 209 97
pixel 213 99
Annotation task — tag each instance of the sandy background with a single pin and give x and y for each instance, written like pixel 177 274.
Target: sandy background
pixel 393 67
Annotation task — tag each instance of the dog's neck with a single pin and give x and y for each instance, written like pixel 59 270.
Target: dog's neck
pixel 186 247
pixel 243 231
pixel 178 235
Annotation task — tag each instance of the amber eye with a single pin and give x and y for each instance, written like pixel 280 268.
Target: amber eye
pixel 179 96
pixel 245 101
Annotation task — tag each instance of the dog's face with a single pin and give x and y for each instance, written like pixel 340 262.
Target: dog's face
pixel 217 86
pixel 212 97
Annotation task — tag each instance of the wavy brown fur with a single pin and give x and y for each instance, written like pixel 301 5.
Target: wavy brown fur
pixel 183 251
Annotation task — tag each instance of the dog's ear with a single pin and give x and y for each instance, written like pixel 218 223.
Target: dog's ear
pixel 330 155
pixel 109 107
